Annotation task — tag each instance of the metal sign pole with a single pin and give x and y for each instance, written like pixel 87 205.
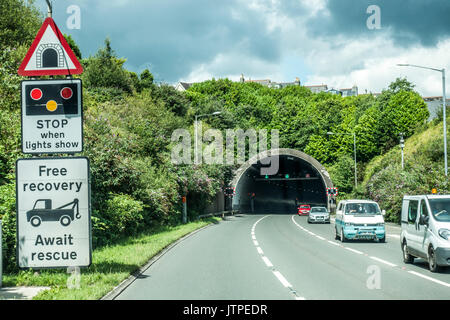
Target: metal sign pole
pixel 1 255
pixel 184 210
pixel 50 10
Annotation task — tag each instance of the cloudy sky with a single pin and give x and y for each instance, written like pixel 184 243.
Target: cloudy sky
pixel 331 42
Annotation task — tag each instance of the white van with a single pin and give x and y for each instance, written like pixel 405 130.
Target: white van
pixel 426 229
pixel 359 220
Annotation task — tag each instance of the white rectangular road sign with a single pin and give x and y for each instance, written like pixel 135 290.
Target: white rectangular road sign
pixel 53 212
pixel 52 116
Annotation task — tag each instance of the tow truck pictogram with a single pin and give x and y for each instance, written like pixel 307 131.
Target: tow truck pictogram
pixel 42 211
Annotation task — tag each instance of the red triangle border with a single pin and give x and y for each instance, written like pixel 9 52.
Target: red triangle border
pixel 49 72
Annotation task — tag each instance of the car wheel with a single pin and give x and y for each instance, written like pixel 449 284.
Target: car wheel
pixel 432 260
pixel 35 221
pixel 382 240
pixel 407 258
pixel 342 235
pixel 65 221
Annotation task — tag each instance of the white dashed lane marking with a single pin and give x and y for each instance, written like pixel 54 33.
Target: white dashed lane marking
pixel 383 261
pixel 390 264
pixel 269 264
pixel 430 278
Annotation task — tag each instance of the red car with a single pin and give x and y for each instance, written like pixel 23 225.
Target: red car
pixel 304 209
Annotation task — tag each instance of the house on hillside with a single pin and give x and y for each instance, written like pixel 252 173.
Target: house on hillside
pixel 350 92
pixel 318 88
pixel 183 86
pixel 435 106
pixel 272 84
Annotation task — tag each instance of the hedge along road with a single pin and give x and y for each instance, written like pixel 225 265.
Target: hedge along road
pixel 283 257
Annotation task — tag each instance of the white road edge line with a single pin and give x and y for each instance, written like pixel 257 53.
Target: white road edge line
pixel 267 261
pixel 255 243
pixel 430 279
pixel 259 250
pixel 383 261
pixel 282 279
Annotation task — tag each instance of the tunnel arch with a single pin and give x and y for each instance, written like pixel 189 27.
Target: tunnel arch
pixel 300 179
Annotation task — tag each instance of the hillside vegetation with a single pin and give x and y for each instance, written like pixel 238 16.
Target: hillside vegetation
pixel 387 183
pixel 129 120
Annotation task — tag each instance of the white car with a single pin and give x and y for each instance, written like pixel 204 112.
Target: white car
pixel 319 214
pixel 359 220
pixel 426 229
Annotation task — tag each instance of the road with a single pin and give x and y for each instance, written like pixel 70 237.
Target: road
pixel 271 257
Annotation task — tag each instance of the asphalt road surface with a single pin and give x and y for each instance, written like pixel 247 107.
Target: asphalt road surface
pixel 270 257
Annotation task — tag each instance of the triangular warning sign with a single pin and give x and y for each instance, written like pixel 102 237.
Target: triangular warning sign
pixel 49 54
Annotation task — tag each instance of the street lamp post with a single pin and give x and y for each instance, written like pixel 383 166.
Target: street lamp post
pixel 443 107
pixel 402 146
pixel 354 152
pixel 196 157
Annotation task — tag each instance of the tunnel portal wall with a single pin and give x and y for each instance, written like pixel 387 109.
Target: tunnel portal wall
pixel 301 179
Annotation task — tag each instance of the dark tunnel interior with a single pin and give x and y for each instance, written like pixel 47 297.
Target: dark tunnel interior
pixel 297 182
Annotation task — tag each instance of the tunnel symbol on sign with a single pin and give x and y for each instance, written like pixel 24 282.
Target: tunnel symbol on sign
pixel 50 55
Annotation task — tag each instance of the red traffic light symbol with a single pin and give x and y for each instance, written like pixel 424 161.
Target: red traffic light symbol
pixel 36 94
pixel 66 93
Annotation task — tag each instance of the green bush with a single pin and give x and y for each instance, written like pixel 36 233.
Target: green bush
pixel 8 217
pixel 124 213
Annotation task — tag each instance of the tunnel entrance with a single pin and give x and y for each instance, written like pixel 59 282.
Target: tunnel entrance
pixel 300 180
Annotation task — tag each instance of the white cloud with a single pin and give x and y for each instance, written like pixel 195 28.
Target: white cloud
pixel 379 66
pixel 341 62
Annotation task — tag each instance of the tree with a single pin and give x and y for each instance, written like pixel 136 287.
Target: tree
pixel 174 101
pixel 19 23
pixel 105 70
pixel 343 174
pixel 73 45
pixel 401 84
pixel 146 80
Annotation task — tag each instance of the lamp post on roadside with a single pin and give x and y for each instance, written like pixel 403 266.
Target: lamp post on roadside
pixel 196 157
pixel 354 151
pixel 443 106
pixel 402 146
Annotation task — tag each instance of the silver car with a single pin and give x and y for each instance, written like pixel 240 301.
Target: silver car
pixel 319 214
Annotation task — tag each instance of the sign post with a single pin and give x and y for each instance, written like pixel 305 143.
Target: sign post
pixel 52 194
pixel 184 209
pixel 1 255
pixel 53 212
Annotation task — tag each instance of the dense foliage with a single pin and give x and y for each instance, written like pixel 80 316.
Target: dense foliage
pixel 128 122
pixel 387 183
pixel 304 120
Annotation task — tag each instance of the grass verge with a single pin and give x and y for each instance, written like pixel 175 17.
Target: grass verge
pixel 110 265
